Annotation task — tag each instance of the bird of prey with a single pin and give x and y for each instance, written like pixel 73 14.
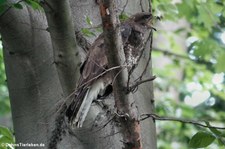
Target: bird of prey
pixel 93 82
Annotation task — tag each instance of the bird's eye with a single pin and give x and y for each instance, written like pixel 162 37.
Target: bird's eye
pixel 146 17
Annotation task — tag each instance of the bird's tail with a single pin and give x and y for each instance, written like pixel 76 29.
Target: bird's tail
pixel 78 109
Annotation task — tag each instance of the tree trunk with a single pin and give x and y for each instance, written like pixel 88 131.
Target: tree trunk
pixel 35 88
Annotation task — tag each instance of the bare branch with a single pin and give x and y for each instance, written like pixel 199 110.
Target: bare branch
pixel 133 68
pixel 197 123
pixel 124 7
pixel 167 52
pixel 150 55
pixel 150 38
pixel 107 70
pixel 133 87
pixel 94 27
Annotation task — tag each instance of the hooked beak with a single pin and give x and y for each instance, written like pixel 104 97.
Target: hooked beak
pixel 150 25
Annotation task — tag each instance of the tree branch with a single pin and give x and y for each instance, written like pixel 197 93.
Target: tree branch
pixel 66 55
pixel 124 7
pixel 198 61
pixel 133 87
pixel 130 125
pixel 150 39
pixel 156 117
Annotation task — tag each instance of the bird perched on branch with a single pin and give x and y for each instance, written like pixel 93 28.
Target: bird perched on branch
pixel 95 80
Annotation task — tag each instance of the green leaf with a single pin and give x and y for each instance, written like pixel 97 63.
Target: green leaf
pixel 88 20
pixel 168 10
pixel 2 1
pixel 18 6
pixel 223 13
pixel 207 14
pixel 221 142
pixel 220 63
pixel 6 135
pixel 3 8
pixel 201 139
pixel 205 49
pixel 5 132
pixel 5 105
pixel 33 4
pixel 215 8
pixel 5 139
pixel 87 32
pixel 204 17
pixel 99 29
pixel 123 17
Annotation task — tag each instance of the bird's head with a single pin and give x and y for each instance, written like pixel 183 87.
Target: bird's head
pixel 143 19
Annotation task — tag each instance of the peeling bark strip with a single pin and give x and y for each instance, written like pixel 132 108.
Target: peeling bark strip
pixel 130 127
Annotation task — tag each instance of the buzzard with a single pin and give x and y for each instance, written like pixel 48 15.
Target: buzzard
pixel 94 81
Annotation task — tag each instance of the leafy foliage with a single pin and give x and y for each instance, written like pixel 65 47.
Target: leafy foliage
pixel 4 97
pixel 5 134
pixel 33 3
pixel 191 81
pixel 201 139
pixel 5 5
pixel 6 137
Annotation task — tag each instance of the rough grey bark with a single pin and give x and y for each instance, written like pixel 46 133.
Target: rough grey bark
pixel 35 89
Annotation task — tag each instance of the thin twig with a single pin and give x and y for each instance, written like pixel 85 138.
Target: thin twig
pixel 117 76
pixel 167 52
pixel 93 27
pixel 150 54
pixel 150 37
pixel 124 7
pixel 133 87
pixel 104 72
pixel 141 53
pixel 161 118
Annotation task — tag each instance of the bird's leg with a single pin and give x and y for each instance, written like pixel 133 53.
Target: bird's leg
pixel 100 103
pixel 122 115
